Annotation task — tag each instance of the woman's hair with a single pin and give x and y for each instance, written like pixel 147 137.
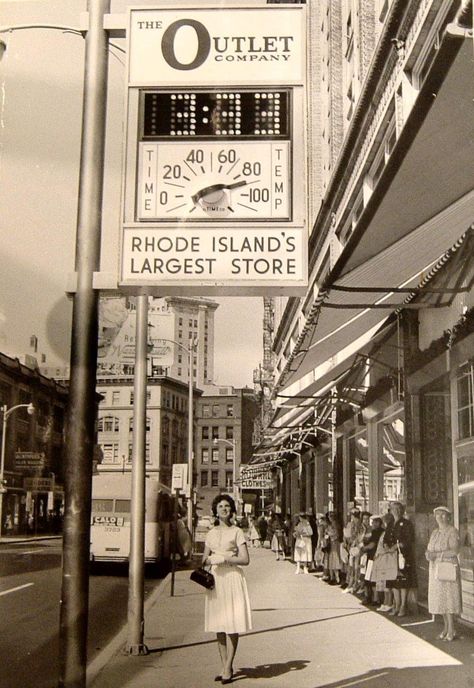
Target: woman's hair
pixel 223 498
pixel 388 519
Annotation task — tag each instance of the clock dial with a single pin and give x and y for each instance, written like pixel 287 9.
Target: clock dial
pixel 202 181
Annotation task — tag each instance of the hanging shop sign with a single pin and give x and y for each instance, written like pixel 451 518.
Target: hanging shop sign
pixel 215 190
pixel 199 45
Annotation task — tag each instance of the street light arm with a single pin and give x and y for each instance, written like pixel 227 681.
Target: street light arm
pixel 6 412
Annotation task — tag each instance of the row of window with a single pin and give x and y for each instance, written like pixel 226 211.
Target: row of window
pixel 212 432
pixel 111 455
pixel 215 479
pixel 170 400
pixel 216 411
pixel 214 454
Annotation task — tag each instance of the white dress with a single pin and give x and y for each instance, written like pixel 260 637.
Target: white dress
pixel 227 606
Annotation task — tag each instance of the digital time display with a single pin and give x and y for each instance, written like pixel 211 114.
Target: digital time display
pixel 229 114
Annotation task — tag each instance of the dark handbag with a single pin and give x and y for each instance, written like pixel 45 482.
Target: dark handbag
pixel 203 577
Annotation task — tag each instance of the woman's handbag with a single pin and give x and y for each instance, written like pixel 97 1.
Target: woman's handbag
pixel 385 567
pixel 368 570
pixel 300 544
pixel 326 546
pixel 401 558
pixel 203 577
pixel 445 571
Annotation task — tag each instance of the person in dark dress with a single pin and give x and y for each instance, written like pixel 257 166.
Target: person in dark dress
pixel 401 536
pixel 314 537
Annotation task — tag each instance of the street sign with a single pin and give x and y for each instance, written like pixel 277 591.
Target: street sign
pixel 215 190
pixel 29 459
pixel 179 476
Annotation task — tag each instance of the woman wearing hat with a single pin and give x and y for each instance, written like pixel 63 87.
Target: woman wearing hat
pixel 444 596
pixel 303 551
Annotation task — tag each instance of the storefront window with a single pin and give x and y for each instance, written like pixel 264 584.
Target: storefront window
pixel 465 401
pixel 394 460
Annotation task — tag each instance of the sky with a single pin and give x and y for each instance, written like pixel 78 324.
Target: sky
pixel 41 76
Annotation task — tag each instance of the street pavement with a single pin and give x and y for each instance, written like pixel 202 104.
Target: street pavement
pixel 306 634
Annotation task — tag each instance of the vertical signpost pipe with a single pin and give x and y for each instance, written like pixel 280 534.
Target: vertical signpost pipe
pixel 136 594
pixel 81 409
pixel 190 436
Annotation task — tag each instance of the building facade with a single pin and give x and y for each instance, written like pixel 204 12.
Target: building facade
pixel 166 425
pixel 373 391
pixel 224 441
pixel 33 448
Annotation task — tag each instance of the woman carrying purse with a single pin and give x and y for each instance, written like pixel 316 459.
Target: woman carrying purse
pixel 444 596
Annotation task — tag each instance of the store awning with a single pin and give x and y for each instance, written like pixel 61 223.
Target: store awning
pixel 422 205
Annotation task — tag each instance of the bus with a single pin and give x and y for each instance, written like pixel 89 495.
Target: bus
pixel 110 519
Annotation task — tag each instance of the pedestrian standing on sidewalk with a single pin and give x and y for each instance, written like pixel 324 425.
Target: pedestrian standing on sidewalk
pixel 278 538
pixel 334 532
pixel 254 536
pixel 444 596
pixel 401 536
pixel 380 570
pixel 227 605
pixel 303 555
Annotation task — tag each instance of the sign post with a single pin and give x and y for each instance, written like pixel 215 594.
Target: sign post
pixel 215 196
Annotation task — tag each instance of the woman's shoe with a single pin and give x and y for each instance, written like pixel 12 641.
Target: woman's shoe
pixel 402 612
pixel 224 681
pixel 450 637
pixel 393 612
pixel 218 678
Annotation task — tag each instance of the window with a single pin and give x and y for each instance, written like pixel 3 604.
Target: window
pixel 206 411
pixel 116 397
pixel 215 410
pixel 214 478
pixel 108 424
pixel 204 478
pixel 205 455
pixel 180 321
pixel 205 432
pixel 230 411
pixel 195 323
pixel 132 397
pixel 465 401
pixel 228 479
pixel 130 424
pixel 110 452
pixel 180 334
pixel 215 432
pixel 165 455
pixel 180 358
pixel 180 372
pixel 190 322
pixel 229 455
pixel 215 455
pixel 147 452
pixel 229 432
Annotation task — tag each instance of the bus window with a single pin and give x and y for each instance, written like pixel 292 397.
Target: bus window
pixel 102 505
pixel 122 506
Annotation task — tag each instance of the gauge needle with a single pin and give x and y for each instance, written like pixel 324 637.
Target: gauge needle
pixel 215 187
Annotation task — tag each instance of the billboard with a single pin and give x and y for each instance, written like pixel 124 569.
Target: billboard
pixel 117 331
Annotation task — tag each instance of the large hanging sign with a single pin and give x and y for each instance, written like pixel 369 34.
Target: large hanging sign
pixel 200 46
pixel 215 173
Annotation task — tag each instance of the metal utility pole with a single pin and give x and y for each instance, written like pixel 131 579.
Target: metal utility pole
pixel 136 575
pixel 190 434
pixel 81 410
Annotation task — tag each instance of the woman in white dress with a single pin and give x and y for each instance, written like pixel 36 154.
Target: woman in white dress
pixel 444 596
pixel 227 606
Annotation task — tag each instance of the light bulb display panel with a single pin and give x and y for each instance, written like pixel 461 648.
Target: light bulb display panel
pixel 215 156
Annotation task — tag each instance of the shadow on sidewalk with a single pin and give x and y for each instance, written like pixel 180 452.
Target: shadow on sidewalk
pixel 421 677
pixel 271 670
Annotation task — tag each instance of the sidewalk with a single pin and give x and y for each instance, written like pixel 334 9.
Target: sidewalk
pixel 306 634
pixel 21 539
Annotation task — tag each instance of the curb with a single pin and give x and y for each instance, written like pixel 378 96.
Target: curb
pixel 26 540
pixel 120 639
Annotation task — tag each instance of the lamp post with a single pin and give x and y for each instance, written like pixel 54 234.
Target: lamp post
pixel 6 414
pixel 233 444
